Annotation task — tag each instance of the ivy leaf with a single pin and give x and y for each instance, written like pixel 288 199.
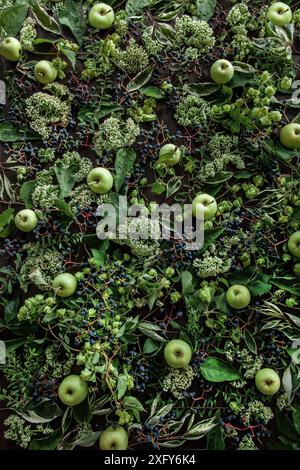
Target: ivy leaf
pixel 65 178
pixel 44 20
pixel 136 6
pixel 99 254
pixel 140 79
pixel 71 16
pixel 125 159
pixel 205 9
pixel 26 191
pixel 12 19
pixel 214 369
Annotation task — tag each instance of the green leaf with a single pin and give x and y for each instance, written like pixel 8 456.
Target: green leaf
pixel 71 16
pixel 122 385
pixel 11 310
pixel 10 133
pixel 133 7
pixel 153 92
pixel 65 178
pixel 215 439
pixel 12 344
pixel 200 429
pixel 285 426
pixel 44 20
pixel 6 218
pixel 64 208
pixel 210 236
pixel 125 159
pixel 82 413
pixel 258 287
pixel 71 55
pixel 12 19
pixel 158 187
pixel 47 409
pixel 26 191
pixel 47 443
pixel 150 330
pixel 205 9
pixel 149 346
pixel 100 254
pixel 140 79
pixel 202 89
pixel 296 418
pixel 187 283
pixel 214 369
pixel 250 341
pixel 133 403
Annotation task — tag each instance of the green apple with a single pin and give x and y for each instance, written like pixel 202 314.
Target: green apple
pixel 100 180
pixel 267 381
pixel 238 297
pixel 72 390
pixel 26 220
pixel 64 284
pixel 45 72
pixel 114 438
pixel 279 13
pixel 290 136
pixel 205 205
pixel 11 49
pixel 169 155
pixel 222 71
pixel 294 244
pixel 101 16
pixel 177 353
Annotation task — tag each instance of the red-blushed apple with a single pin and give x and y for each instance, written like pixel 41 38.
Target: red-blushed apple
pixel 279 13
pixel 204 205
pixel 72 390
pixel 101 16
pixel 26 220
pixel 267 381
pixel 222 71
pixel 294 244
pixel 100 180
pixel 64 284
pixel 169 155
pixel 11 49
pixel 290 136
pixel 238 297
pixel 114 438
pixel 45 72
pixel 177 353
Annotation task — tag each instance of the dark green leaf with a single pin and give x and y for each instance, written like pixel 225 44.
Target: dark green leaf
pixel 44 20
pixel 140 79
pixel 82 413
pixel 26 191
pixel 149 346
pixel 153 92
pixel 125 159
pixel 12 19
pixel 133 7
pixel 215 439
pixel 258 287
pixel 47 443
pixel 205 9
pixel 250 342
pixel 122 385
pixel 11 309
pixel 65 178
pixel 71 55
pixel 72 17
pixel 202 89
